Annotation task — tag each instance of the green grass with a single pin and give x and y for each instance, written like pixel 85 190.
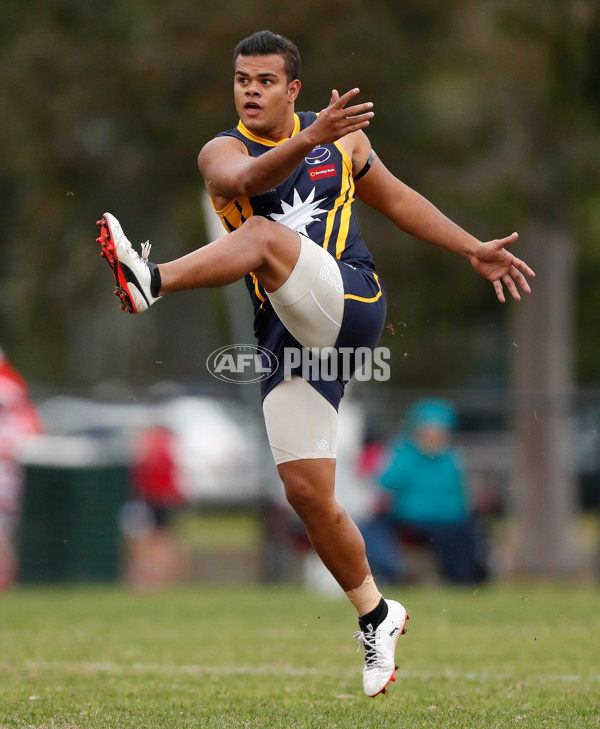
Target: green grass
pixel 526 656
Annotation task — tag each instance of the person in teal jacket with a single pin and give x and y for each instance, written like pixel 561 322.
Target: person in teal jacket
pixel 425 482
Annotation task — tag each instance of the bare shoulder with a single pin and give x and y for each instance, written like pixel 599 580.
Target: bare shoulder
pixel 217 148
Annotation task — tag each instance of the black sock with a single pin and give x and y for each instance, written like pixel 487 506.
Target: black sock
pixel 375 617
pixel 155 280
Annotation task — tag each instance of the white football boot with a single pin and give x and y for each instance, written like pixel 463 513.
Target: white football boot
pixel 380 646
pixel 132 272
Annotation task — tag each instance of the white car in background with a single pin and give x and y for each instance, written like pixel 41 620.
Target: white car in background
pixel 220 446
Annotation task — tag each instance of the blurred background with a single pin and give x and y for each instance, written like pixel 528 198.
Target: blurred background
pixel 490 109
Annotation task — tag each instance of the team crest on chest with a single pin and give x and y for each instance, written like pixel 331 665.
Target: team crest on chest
pixel 318 156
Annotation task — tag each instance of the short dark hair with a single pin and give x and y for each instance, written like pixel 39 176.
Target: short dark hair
pixel 266 43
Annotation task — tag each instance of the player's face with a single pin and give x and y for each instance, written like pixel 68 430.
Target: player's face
pixel 264 98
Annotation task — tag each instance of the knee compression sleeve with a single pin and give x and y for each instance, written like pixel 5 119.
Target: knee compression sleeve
pixel 311 302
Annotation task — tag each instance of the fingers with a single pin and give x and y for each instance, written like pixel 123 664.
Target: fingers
pixel 341 101
pixel 519 264
pixel 512 287
pixel 354 123
pixel 510 280
pixel 521 280
pixel 356 117
pixel 499 291
pixel 336 121
pixel 514 277
pixel 362 110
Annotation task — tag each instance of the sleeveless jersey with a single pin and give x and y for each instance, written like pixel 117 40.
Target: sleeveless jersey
pixel 315 200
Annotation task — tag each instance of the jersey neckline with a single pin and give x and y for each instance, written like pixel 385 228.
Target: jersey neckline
pixel 267 142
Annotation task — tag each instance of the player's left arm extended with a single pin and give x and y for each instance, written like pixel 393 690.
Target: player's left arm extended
pixel 414 214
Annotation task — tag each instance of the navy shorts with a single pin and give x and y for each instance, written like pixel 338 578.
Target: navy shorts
pixel 365 305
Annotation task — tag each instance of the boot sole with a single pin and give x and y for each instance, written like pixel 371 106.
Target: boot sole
pixel 109 252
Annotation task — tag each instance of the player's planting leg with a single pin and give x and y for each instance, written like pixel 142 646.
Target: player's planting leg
pixel 309 486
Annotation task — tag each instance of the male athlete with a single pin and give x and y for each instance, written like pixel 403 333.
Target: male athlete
pixel 284 184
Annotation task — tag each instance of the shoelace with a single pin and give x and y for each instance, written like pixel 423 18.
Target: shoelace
pixel 367 640
pixel 146 250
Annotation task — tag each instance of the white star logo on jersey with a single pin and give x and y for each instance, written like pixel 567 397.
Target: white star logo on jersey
pixel 301 213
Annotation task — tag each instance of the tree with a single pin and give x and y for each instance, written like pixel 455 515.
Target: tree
pixel 106 106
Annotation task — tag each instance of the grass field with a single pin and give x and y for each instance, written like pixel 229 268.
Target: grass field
pixel 520 656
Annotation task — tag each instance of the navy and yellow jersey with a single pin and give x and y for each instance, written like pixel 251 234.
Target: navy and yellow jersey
pixel 317 201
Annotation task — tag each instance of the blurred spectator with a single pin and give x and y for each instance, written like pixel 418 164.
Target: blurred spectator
pixel 18 420
pixel 154 473
pixel 155 559
pixel 426 500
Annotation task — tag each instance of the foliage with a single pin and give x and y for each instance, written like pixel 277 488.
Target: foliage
pixel 490 109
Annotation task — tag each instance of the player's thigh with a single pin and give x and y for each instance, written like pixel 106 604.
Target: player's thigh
pixel 300 422
pixel 311 301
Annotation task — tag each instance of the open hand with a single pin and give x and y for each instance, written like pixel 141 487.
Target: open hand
pixel 335 121
pixel 495 263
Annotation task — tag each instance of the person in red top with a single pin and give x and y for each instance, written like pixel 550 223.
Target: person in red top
pixel 18 420
pixel 154 557
pixel 154 473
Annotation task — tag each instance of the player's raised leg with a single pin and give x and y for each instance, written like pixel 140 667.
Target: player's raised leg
pixel 268 249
